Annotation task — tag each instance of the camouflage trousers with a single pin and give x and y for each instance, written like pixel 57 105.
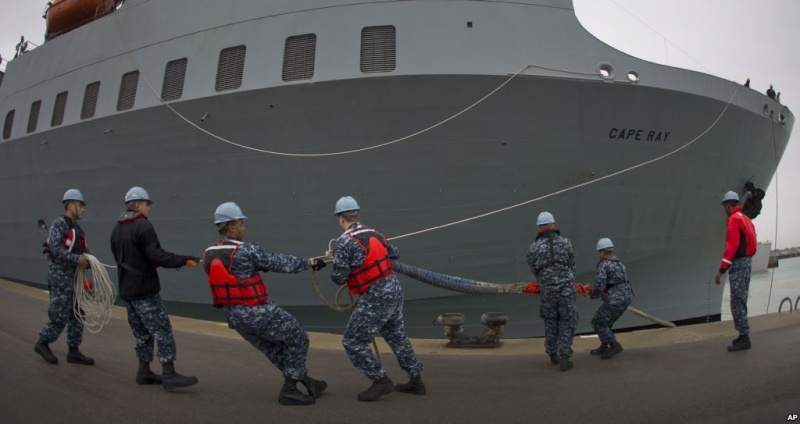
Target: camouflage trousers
pixel 618 300
pixel 59 311
pixel 739 280
pixel 560 314
pixel 380 312
pixel 150 323
pixel 275 333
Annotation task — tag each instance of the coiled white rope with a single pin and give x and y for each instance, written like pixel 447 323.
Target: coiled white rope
pixel 94 297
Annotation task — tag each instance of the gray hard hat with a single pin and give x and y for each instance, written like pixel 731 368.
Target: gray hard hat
pixel 137 193
pixel 604 243
pixel 346 204
pixel 730 196
pixel 545 218
pixel 227 212
pixel 73 194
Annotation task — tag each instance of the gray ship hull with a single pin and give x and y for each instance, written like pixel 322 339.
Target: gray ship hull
pixel 540 134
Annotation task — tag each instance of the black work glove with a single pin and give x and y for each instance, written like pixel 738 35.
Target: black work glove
pixel 317 264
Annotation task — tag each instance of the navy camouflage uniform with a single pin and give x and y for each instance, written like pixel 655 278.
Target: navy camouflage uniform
pixel 269 328
pixel 740 286
pixel 63 265
pixel 379 311
pixel 138 253
pixel 611 278
pixel 552 261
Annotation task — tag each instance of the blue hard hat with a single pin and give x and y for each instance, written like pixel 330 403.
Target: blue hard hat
pixel 137 193
pixel 73 194
pixel 345 204
pixel 731 195
pixel 227 212
pixel 604 243
pixel 545 218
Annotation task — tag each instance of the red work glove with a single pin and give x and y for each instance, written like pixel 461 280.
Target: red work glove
pixel 88 285
pixel 532 288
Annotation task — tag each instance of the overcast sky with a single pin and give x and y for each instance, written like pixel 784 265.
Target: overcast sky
pixel 732 39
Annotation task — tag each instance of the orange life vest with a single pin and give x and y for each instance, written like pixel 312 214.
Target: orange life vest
pixel 377 264
pixel 226 289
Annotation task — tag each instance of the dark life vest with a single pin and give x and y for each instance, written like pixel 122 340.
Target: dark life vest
pixel 377 264
pixel 226 289
pixel 550 234
pixel 74 241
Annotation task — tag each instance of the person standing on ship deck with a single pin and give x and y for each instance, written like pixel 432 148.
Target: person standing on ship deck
pixel 66 252
pixel 740 246
pixel 552 261
pixel 233 275
pixel 137 252
pixel 363 260
pixel 611 283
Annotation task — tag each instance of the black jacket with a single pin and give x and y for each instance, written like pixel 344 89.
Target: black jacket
pixel 138 252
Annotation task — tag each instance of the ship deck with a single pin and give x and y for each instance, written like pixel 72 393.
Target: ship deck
pixel 664 375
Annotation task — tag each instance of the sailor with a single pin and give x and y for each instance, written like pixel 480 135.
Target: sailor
pixel 233 275
pixel 138 252
pixel 363 260
pixel 747 83
pixel 771 92
pixel 66 250
pixel 611 283
pixel 740 246
pixel 552 261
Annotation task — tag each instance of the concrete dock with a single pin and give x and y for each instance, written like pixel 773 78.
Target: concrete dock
pixel 679 375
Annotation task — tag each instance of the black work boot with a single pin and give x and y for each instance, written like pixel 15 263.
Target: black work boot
pixel 566 364
pixel 314 387
pixel 290 395
pixel 379 388
pixel 172 380
pixel 414 386
pixel 42 349
pixel 613 349
pixel 742 343
pixel 554 359
pixel 600 350
pixel 76 357
pixel 146 376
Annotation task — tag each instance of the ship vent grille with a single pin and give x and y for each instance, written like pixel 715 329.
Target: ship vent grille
pixel 231 68
pixel 378 49
pixel 298 57
pixel 174 77
pixel 33 118
pixel 127 90
pixel 90 100
pixel 58 109
pixel 8 125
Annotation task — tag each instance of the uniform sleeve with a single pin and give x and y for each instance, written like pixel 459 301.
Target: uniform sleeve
pixel 343 261
pixel 154 252
pixel 276 262
pixel 394 254
pixel 600 282
pixel 571 256
pixel 531 258
pixel 731 244
pixel 55 239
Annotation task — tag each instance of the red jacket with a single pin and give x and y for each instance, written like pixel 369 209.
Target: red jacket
pixel 740 239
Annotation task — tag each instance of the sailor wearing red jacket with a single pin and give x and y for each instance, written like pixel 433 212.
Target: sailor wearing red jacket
pixel 740 246
pixel 233 275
